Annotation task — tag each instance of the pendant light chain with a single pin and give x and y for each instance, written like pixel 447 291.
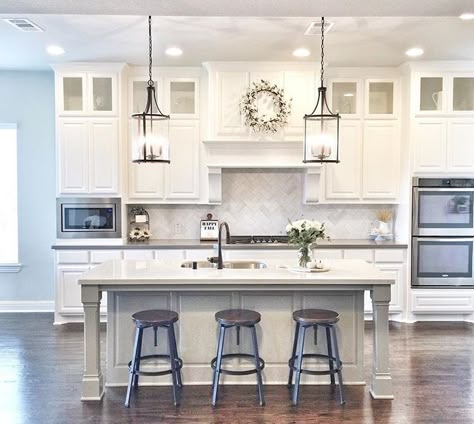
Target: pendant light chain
pixel 150 54
pixel 322 51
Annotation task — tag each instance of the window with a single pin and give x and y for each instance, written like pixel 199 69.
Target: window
pixel 9 196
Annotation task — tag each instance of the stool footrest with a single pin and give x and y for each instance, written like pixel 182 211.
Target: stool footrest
pixel 337 367
pixel 179 363
pixel 239 355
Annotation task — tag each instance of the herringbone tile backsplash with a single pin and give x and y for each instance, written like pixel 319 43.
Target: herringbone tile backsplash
pixel 261 202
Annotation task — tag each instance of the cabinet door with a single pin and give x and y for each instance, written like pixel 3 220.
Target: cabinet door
pixel 73 145
pixel 182 175
pixel 230 88
pixel 104 156
pixel 462 94
pixel 102 96
pixel 430 145
pixel 71 93
pixel 146 180
pixel 460 147
pixel 68 295
pixel 301 88
pixel 430 94
pixel 345 96
pixel 343 179
pixel 381 98
pixel 182 97
pixel 381 160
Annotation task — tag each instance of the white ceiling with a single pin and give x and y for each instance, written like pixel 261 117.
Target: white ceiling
pixel 264 8
pixel 361 41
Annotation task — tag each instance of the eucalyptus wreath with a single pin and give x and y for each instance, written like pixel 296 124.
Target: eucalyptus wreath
pixel 265 123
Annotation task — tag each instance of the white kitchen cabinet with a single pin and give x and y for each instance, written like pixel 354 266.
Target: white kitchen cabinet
pixel 73 155
pixel 381 160
pixel 229 90
pixel 86 93
pixel 460 145
pixel 381 98
pixel 442 301
pixel 182 97
pixel 182 175
pixel 68 295
pixel 88 155
pixel 345 97
pixel 300 87
pixel 146 180
pixel 429 135
pixel 430 94
pixel 343 180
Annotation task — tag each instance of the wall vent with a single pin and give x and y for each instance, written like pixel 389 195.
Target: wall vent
pixel 23 24
pixel 314 28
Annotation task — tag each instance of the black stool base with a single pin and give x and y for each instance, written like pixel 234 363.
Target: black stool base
pixel 241 372
pixel 179 365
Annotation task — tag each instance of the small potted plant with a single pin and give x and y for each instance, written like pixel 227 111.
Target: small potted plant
pixel 304 233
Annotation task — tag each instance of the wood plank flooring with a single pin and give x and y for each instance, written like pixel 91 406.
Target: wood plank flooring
pixel 41 366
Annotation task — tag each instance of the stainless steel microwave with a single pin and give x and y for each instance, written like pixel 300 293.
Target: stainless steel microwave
pixel 88 217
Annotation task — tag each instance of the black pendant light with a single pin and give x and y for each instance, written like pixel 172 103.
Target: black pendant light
pixel 321 126
pixel 150 138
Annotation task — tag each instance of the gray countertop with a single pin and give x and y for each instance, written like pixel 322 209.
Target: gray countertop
pixel 197 244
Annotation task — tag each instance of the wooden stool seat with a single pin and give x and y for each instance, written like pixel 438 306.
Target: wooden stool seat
pixel 315 316
pixel 238 317
pixel 154 317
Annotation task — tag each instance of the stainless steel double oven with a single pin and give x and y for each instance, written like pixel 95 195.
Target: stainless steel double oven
pixel 442 232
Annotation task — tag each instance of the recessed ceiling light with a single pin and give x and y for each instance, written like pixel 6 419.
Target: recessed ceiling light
pixel 301 52
pixel 414 52
pixel 174 51
pixel 55 50
pixel 467 16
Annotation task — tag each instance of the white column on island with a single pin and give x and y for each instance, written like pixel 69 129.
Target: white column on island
pixel 92 380
pixel 381 387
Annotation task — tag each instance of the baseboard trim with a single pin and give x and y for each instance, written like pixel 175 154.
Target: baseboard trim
pixel 27 306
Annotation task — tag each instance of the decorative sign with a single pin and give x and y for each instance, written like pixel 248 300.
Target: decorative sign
pixel 261 122
pixel 209 229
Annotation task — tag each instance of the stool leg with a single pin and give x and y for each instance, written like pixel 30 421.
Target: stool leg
pixel 217 371
pixel 180 381
pixel 257 365
pixel 299 363
pixel 132 368
pixel 331 364
pixel 293 352
pixel 238 334
pixel 315 334
pixel 174 372
pixel 138 358
pixel 338 364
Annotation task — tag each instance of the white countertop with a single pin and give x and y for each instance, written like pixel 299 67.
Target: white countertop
pixel 155 272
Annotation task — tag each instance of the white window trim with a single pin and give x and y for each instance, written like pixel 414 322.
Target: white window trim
pixel 16 266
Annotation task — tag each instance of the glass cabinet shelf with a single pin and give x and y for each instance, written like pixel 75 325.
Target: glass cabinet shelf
pixel 431 94
pixel 182 97
pixel 102 97
pixel 344 97
pixel 73 97
pixel 463 94
pixel 380 98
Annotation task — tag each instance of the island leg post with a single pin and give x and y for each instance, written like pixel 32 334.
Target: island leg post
pixel 92 380
pixel 381 387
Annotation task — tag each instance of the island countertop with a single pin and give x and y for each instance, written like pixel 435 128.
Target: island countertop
pixel 156 272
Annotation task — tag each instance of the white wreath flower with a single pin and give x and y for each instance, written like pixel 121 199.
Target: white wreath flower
pixel 249 109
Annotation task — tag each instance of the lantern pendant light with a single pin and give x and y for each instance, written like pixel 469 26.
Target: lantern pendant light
pixel 150 137
pixel 321 126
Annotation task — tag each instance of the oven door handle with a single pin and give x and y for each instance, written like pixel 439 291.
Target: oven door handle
pixel 424 189
pixel 442 239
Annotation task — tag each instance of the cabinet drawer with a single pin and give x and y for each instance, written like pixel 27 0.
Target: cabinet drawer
pixel 444 301
pixel 389 255
pixel 73 256
pixel 169 254
pixel 261 254
pixel 201 254
pixel 327 253
pixel 364 254
pixel 138 254
pixel 99 256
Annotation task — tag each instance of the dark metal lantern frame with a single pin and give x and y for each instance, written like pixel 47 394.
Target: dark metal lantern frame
pixel 151 114
pixel 324 116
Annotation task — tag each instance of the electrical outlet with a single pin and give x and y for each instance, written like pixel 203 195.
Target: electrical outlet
pixel 178 228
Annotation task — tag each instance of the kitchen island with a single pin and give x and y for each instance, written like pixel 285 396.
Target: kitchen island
pixel 196 295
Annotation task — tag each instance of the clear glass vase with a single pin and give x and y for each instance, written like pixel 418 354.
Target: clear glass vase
pixel 305 255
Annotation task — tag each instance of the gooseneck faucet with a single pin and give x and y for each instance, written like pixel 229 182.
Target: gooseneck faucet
pixel 220 262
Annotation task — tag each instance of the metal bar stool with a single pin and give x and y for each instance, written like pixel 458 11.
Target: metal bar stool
pixel 155 318
pixel 237 318
pixel 305 319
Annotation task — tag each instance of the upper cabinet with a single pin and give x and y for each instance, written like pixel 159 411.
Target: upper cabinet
pixel 182 97
pixel 381 99
pixel 86 93
pixel 346 97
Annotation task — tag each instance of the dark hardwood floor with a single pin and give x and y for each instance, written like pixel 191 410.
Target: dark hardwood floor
pixel 41 365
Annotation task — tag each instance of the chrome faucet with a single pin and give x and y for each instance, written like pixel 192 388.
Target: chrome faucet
pixel 218 259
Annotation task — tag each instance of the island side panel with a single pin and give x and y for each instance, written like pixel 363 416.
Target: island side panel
pixel 197 331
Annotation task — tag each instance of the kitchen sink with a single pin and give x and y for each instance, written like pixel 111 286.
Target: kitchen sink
pixel 227 264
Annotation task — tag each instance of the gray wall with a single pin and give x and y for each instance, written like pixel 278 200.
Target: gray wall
pixel 27 98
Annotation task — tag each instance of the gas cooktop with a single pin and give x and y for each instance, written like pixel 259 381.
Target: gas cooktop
pixel 259 239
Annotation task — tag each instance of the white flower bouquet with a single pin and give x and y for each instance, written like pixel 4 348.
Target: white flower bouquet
pixel 303 233
pixel 139 234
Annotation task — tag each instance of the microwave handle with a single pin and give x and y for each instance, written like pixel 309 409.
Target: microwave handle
pixel 447 190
